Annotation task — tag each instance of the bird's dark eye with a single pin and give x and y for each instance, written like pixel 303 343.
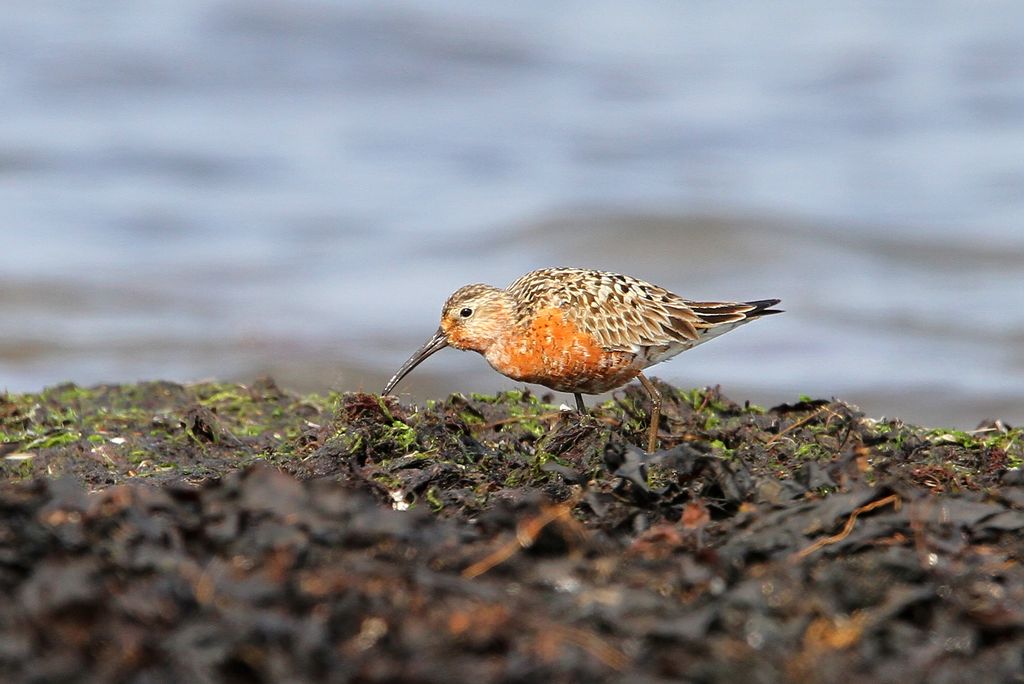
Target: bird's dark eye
pixel 466 313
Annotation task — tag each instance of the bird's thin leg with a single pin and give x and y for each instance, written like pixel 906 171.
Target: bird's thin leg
pixel 579 403
pixel 652 438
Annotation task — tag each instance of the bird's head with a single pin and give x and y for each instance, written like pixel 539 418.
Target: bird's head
pixel 474 316
pixel 472 319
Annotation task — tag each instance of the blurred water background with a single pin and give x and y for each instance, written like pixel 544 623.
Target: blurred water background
pixel 222 188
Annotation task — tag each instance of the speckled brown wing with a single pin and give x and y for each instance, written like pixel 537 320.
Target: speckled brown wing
pixel 622 313
pixel 627 314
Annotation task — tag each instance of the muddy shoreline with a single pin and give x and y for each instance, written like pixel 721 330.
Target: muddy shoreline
pixel 224 532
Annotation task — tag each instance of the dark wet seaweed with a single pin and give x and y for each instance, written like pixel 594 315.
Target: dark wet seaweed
pixel 230 533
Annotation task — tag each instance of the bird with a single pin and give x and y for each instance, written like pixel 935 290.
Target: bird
pixel 580 330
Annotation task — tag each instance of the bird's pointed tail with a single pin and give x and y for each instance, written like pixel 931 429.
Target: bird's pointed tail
pixel 762 307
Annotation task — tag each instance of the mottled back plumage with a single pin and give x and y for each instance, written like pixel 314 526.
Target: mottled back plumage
pixel 627 314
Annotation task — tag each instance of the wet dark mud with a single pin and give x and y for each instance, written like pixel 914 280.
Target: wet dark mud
pixel 206 533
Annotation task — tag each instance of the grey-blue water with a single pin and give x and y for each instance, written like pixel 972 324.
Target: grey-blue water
pixel 194 189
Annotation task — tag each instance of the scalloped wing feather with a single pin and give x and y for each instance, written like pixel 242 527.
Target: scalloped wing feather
pixel 627 314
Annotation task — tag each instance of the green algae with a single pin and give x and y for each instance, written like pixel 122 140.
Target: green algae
pixel 462 448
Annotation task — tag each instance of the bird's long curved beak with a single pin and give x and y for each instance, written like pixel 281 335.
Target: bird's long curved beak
pixel 436 343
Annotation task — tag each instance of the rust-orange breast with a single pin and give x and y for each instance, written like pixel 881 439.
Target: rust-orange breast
pixel 551 351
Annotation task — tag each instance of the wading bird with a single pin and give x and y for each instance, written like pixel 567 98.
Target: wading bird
pixel 581 331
